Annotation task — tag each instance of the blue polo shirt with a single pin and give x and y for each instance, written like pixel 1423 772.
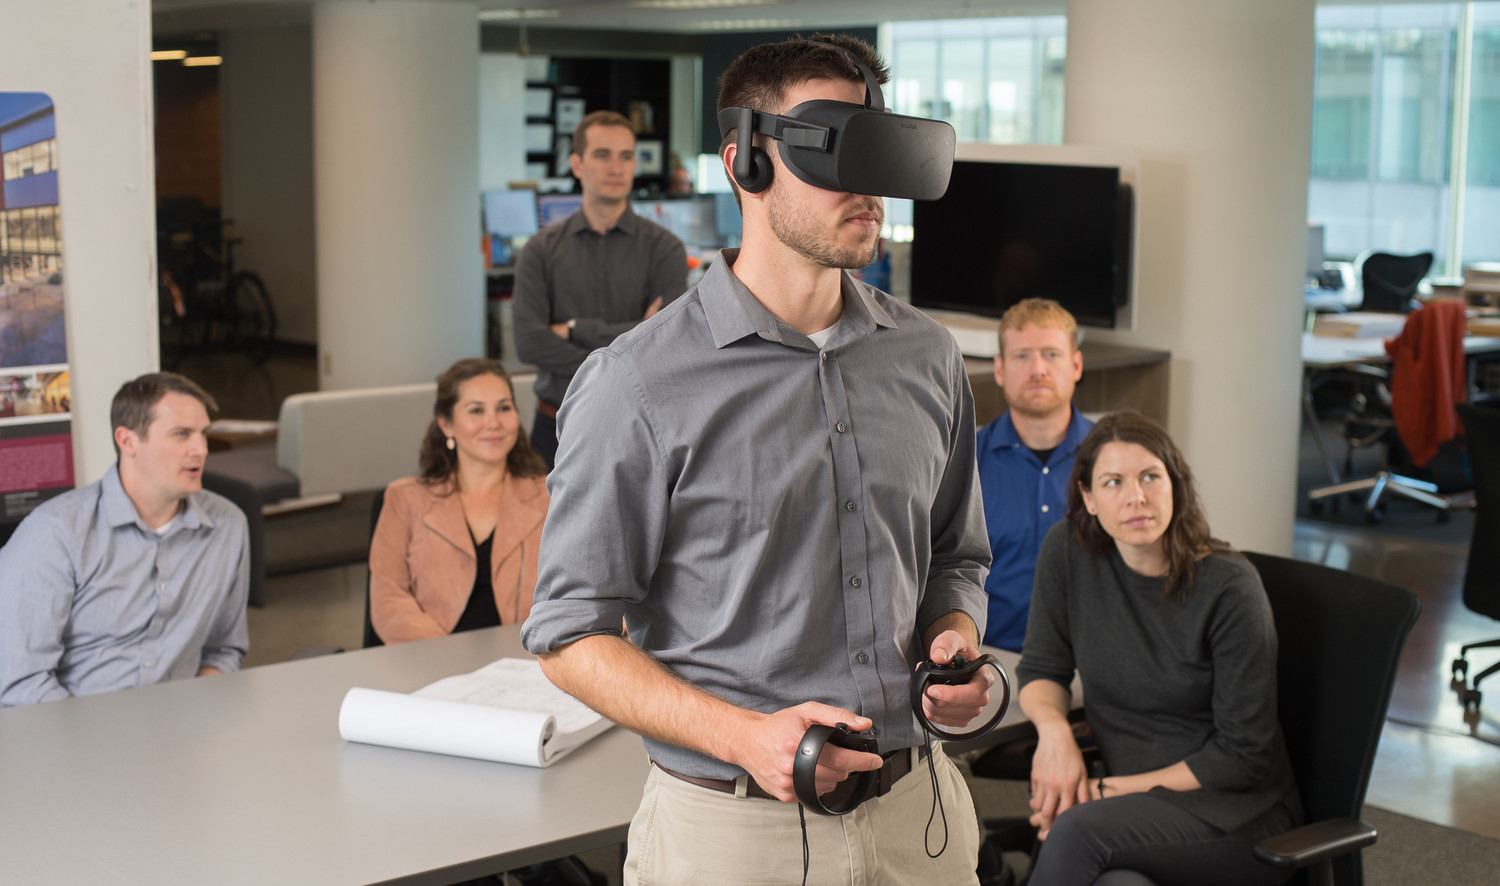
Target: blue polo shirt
pixel 1022 500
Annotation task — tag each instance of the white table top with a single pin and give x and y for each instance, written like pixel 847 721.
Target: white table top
pixel 1329 352
pixel 244 779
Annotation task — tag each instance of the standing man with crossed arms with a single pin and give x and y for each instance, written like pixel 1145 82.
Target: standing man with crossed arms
pixel 773 483
pixel 592 276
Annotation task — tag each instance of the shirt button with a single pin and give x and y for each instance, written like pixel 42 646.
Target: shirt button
pixel 841 427
pixel 823 356
pixel 1045 509
pixel 856 581
pixel 849 505
pixel 1045 469
pixel 862 658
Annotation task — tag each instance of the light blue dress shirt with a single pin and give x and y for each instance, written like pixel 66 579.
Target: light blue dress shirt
pixel 93 600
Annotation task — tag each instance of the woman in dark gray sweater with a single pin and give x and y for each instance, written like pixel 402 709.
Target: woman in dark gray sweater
pixel 1172 636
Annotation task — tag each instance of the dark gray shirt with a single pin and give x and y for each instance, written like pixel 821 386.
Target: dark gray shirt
pixel 93 600
pixel 605 282
pixel 1167 681
pixel 776 523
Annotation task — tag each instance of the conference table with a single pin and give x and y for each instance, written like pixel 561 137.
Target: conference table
pixel 243 779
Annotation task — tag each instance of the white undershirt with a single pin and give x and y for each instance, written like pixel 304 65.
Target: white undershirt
pixel 821 337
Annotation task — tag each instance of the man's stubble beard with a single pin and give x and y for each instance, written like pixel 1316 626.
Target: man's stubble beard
pixel 797 229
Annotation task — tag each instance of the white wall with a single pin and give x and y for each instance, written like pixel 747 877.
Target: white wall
pixel 91 57
pixel 502 119
pixel 1216 95
pixel 265 103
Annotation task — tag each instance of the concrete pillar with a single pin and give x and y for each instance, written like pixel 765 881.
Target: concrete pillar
pixel 1216 95
pixel 396 165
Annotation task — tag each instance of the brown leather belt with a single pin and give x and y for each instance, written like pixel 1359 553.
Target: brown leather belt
pixel 547 409
pixel 897 765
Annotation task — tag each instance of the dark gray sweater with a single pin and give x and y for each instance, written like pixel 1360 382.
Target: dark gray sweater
pixel 1166 681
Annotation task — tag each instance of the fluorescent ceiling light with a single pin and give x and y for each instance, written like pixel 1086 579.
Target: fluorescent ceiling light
pixel 203 61
pixel 748 24
pixel 701 4
pixel 168 55
pixel 511 15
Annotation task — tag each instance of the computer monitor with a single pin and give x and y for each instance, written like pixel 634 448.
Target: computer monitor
pixel 510 213
pixel 1314 251
pixel 556 207
pixel 728 223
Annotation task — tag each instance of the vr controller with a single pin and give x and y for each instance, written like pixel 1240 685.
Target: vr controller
pixel 956 672
pixel 805 768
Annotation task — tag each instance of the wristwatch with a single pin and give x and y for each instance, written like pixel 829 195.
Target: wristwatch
pixel 571 324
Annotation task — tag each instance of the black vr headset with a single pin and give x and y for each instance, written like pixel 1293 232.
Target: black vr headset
pixel 841 146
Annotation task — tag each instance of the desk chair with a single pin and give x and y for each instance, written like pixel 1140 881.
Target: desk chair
pixel 1390 281
pixel 1417 393
pixel 372 638
pixel 1482 577
pixel 1340 639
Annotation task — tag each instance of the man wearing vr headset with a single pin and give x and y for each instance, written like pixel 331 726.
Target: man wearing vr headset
pixel 772 482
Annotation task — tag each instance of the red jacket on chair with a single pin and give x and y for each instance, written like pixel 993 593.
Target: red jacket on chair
pixel 1428 376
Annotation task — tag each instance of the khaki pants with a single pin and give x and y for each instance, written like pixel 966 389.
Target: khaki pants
pixel 685 835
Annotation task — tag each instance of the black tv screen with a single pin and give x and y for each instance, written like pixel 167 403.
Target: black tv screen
pixel 1008 231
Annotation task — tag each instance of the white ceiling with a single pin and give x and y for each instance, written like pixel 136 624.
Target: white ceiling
pixel 711 16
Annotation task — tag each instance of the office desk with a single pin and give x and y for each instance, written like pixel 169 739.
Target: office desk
pixel 243 779
pixel 1114 377
pixel 1323 354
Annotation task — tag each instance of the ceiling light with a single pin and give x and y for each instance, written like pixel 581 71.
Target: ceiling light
pixel 168 55
pixel 203 61
pixel 748 24
pixel 511 15
pixel 701 4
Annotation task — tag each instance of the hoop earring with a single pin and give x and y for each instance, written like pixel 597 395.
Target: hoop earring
pixel 451 444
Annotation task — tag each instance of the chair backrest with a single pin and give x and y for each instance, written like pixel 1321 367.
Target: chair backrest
pixel 372 638
pixel 1390 281
pixel 1482 577
pixel 1340 637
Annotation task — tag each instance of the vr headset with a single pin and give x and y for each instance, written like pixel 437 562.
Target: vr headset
pixel 841 146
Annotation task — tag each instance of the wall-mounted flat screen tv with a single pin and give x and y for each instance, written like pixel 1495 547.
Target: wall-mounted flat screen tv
pixel 1008 231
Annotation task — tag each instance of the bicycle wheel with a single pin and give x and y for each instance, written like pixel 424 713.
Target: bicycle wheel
pixel 253 322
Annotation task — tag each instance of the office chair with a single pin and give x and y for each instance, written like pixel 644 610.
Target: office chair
pixel 1340 637
pixel 1409 408
pixel 1482 576
pixel 372 638
pixel 1390 281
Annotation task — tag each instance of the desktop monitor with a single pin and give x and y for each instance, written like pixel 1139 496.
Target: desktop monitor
pixel 728 223
pixel 556 207
pixel 510 213
pixel 1008 231
pixel 1315 234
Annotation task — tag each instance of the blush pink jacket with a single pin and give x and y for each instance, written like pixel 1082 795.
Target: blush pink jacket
pixel 422 561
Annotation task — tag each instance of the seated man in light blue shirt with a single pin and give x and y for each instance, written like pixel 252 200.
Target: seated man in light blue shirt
pixel 137 578
pixel 1026 455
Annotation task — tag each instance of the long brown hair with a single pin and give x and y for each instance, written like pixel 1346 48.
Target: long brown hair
pixel 438 463
pixel 1186 540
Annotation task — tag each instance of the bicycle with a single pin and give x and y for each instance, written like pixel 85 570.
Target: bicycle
pixel 203 299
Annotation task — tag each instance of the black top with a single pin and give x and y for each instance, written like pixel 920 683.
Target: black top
pixel 1165 681
pixel 480 611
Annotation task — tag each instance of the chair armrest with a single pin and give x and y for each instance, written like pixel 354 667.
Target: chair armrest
pixel 1312 843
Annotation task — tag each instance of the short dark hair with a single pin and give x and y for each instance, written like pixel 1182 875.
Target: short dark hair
pixel 437 463
pixel 136 400
pixel 1186 540
pixel 596 118
pixel 761 77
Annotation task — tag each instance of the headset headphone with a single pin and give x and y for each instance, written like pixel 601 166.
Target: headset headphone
pixel 842 146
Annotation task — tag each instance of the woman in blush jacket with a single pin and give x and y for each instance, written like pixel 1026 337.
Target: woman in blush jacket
pixel 1171 634
pixel 456 548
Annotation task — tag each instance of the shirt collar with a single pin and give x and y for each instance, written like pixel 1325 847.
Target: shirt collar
pixel 733 312
pixel 1005 436
pixel 120 511
pixel 577 223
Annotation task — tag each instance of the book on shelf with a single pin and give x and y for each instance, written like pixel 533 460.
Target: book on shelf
pixel 507 712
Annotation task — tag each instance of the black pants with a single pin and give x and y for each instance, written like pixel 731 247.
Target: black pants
pixel 544 438
pixel 1139 839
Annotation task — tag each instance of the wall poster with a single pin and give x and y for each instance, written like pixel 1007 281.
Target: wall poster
pixel 36 427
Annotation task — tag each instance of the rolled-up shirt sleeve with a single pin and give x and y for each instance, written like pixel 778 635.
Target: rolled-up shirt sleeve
pixel 960 546
pixel 37 585
pixel 605 524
